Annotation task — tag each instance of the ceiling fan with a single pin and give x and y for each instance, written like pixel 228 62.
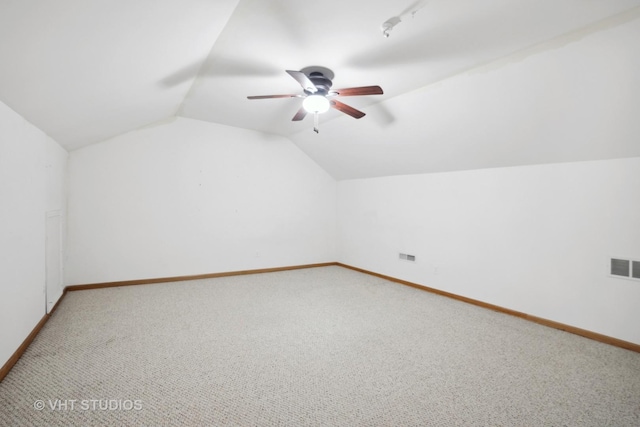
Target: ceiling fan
pixel 318 96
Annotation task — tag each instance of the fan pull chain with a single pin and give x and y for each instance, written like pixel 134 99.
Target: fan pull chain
pixel 316 119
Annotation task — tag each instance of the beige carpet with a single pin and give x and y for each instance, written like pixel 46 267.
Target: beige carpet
pixel 320 347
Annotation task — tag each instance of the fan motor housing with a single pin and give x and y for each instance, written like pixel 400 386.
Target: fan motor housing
pixel 322 83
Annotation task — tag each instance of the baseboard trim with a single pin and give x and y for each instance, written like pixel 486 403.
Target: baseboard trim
pixel 192 277
pixel 27 342
pixel 550 323
pixel 23 347
pixel 55 306
pixel 546 322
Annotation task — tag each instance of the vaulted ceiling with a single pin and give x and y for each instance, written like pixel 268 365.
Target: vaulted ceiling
pixel 468 84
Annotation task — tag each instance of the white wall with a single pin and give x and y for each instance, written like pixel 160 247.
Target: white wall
pixel 535 239
pixel 31 182
pixel 190 197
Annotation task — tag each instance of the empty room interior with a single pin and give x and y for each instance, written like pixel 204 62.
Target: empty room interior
pixel 268 212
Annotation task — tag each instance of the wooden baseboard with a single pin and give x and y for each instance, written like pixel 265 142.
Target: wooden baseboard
pixel 546 322
pixel 25 344
pixel 572 329
pixel 23 347
pixel 192 277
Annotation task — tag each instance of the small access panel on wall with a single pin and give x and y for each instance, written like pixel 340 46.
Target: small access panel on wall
pixel 53 259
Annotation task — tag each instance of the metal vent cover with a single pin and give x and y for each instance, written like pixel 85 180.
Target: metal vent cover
pixel 620 267
pixel 635 269
pixel 407 257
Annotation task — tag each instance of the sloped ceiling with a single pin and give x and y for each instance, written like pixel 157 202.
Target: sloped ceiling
pixel 468 84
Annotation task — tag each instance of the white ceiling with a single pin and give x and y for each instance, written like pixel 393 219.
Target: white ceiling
pixel 463 79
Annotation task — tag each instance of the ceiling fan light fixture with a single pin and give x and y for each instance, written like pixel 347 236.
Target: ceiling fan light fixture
pixel 316 104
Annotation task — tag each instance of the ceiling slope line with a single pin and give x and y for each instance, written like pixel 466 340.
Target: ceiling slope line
pixel 519 55
pixel 179 110
pixel 150 125
pixel 541 47
pixel 34 125
pixel 155 123
pixel 560 41
pixel 554 43
pixel 165 121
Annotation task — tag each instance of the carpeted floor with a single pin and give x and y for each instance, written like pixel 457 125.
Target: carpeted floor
pixel 319 347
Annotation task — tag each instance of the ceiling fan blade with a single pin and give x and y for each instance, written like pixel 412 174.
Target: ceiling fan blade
pixel 357 91
pixel 303 80
pixel 301 114
pixel 273 96
pixel 357 114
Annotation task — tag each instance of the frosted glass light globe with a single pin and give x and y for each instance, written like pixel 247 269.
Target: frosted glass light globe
pixel 316 104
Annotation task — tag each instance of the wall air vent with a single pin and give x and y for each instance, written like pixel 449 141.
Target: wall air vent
pixel 635 269
pixel 624 268
pixel 407 257
pixel 620 267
